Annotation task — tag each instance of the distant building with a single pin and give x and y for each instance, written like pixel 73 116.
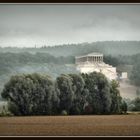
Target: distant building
pixel 124 75
pixel 94 62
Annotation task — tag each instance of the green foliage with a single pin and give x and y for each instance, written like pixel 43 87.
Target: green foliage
pixel 136 103
pixel 78 87
pixel 64 112
pixel 29 94
pixel 73 94
pixel 123 107
pixel 111 60
pixel 64 84
pixel 14 108
pixel 99 93
pixel 115 96
pixel 5 112
pixel 106 47
pixel 133 105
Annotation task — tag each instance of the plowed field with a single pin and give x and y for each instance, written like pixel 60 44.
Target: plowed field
pixel 97 125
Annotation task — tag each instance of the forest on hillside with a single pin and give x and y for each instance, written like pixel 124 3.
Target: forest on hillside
pixel 106 47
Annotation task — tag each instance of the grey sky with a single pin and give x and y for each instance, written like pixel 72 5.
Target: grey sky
pixel 27 25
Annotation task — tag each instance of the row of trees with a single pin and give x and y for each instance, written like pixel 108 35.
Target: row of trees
pixel 106 47
pixel 73 94
pixel 8 58
pixel 8 61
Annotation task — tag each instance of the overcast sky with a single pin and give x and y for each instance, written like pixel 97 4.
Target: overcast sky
pixel 27 25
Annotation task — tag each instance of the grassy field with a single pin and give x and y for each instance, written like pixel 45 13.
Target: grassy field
pixel 103 125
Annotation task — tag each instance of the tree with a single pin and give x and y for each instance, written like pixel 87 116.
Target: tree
pixel 111 60
pixel 78 101
pixel 17 92
pixel 64 85
pixel 36 94
pixel 99 92
pixel 136 102
pixel 30 94
pixel 124 107
pixel 115 97
pixel 55 101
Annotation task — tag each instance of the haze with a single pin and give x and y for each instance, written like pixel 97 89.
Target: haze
pixel 30 25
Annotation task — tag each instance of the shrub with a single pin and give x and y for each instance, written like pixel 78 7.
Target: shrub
pixel 64 112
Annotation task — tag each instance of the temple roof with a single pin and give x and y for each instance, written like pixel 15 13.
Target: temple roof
pixel 94 54
pixel 91 54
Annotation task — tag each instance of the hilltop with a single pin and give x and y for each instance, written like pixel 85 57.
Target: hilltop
pixel 106 47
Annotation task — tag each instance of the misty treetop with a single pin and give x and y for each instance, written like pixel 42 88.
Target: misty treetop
pixel 74 94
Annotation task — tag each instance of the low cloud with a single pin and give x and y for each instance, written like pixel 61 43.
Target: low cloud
pixel 27 25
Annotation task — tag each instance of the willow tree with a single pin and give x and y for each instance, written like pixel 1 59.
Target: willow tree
pixel 79 98
pixel 99 92
pixel 30 94
pixel 64 85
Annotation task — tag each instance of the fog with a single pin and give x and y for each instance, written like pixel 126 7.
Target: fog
pixel 29 25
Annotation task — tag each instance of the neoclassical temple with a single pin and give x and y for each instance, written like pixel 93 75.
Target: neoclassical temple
pixel 94 62
pixel 89 58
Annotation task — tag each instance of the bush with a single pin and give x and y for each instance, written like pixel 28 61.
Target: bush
pixel 131 107
pixel 64 112
pixel 124 107
pixel 5 112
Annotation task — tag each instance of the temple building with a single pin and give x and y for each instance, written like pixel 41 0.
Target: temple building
pixel 94 62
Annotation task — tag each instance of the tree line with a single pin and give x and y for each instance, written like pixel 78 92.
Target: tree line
pixel 68 94
pixel 106 47
pixel 9 61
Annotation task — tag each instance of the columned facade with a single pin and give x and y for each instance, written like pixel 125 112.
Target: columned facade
pixel 90 58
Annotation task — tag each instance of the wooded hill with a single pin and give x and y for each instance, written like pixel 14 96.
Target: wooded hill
pixel 106 47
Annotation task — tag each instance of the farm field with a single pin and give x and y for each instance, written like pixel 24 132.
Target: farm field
pixel 97 125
